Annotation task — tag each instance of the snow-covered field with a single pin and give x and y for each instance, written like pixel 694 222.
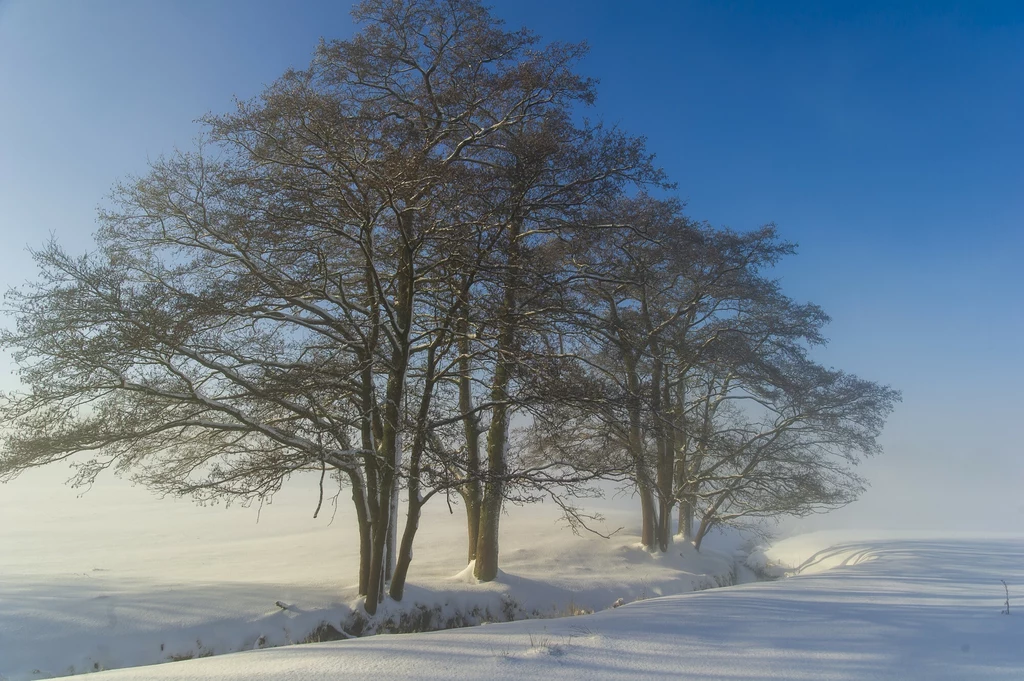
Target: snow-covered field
pixel 891 609
pixel 116 579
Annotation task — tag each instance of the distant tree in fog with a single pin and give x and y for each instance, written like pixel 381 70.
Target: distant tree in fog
pixel 698 379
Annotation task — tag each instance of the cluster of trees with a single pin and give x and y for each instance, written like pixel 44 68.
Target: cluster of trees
pixel 375 267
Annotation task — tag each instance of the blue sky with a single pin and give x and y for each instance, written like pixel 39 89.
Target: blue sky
pixel 887 140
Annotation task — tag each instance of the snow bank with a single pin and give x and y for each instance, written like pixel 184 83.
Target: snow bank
pixel 920 609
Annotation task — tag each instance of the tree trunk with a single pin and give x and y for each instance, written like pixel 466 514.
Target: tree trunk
pixel 663 414
pixel 386 481
pixel 389 570
pixel 661 452
pixel 367 487
pixel 664 527
pixel 371 434
pixel 649 517
pixel 365 531
pixel 686 518
pixel 412 524
pixel 416 502
pixel 705 527
pixel 375 584
pixel 470 491
pixel 404 557
pixel 486 567
pixel 473 501
pixel 648 510
pixel 681 461
pixel 392 423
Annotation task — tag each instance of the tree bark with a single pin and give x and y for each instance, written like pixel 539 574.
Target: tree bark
pixel 648 510
pixel 416 502
pixel 365 530
pixel 392 418
pixel 649 516
pixel 472 500
pixel 412 523
pixel 665 446
pixel 686 518
pixel 705 527
pixel 486 567
pixel 470 491
pixel 681 462
pixel 392 543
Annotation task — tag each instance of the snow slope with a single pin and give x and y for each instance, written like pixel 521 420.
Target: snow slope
pixel 897 609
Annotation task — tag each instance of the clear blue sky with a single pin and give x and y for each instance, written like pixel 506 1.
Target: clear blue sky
pixel 887 140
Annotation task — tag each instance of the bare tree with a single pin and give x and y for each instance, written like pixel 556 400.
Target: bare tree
pixel 377 265
pixel 789 450
pixel 692 350
pixel 302 291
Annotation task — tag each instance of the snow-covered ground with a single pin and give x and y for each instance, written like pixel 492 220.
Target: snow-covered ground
pixel 117 578
pixel 889 609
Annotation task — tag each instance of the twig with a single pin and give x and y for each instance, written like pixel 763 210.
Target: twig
pixel 323 472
